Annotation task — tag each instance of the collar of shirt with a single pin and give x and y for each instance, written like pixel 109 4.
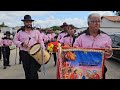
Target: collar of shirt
pixel 88 33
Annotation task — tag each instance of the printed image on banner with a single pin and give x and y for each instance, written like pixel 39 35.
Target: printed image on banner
pixel 78 64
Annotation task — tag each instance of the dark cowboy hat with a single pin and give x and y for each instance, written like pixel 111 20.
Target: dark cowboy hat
pixel 72 26
pixel 7 33
pixel 27 18
pixel 64 24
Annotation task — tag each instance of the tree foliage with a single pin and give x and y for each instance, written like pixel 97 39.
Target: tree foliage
pixel 3 25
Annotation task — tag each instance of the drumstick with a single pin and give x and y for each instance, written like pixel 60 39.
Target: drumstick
pixel 43 61
pixel 29 40
pixel 115 48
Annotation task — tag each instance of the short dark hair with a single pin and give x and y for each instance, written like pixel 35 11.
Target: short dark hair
pixel 71 26
pixel 56 37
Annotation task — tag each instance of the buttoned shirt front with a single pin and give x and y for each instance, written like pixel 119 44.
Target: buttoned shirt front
pixel 28 37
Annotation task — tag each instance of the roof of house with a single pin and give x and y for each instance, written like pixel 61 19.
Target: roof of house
pixel 112 18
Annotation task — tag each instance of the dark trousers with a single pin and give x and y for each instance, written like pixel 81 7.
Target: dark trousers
pixel 104 74
pixel 30 65
pixel 6 55
pixel 20 59
pixel 0 52
pixel 55 58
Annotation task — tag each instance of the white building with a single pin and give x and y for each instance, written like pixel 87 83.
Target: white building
pixel 109 24
pixel 4 29
pixel 111 21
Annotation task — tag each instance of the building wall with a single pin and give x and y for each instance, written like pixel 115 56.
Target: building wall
pixel 107 23
pixel 111 30
pixel 4 29
pixel 108 30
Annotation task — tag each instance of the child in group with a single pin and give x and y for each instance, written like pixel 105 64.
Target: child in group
pixel 6 41
pixel 55 42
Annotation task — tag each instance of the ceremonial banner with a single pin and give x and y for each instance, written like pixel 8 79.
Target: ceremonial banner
pixel 80 64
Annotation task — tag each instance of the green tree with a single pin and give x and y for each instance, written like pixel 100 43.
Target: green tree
pixel 3 25
pixel 55 28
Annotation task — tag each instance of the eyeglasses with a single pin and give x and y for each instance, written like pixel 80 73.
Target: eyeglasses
pixel 95 21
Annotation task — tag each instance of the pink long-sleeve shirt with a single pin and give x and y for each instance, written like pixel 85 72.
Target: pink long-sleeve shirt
pixel 67 40
pixel 28 37
pixel 45 38
pixel 100 41
pixel 51 36
pixel 1 42
pixel 6 42
pixel 61 35
pixel 87 41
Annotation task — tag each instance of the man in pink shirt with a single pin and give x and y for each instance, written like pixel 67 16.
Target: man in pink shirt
pixel 51 35
pixel 6 41
pixel 1 36
pixel 93 37
pixel 24 39
pixel 64 32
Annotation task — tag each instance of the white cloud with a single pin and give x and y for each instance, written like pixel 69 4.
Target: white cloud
pixel 52 21
pixel 13 18
pixel 103 13
pixel 22 13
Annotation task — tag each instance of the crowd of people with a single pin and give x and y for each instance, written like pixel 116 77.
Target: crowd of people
pixel 27 36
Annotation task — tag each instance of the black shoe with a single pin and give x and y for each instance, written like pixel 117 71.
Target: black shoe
pixel 39 70
pixel 9 65
pixel 19 62
pixel 54 65
pixel 4 67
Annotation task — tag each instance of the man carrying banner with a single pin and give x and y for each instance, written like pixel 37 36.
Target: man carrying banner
pixel 93 37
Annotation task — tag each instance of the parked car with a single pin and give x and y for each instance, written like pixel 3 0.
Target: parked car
pixel 115 44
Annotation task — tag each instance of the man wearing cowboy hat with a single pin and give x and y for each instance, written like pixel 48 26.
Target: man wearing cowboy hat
pixel 6 41
pixel 24 39
pixel 69 39
pixel 64 32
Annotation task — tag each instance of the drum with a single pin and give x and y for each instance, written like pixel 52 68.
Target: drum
pixel 36 52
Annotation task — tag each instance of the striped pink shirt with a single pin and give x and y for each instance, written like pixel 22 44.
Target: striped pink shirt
pixel 28 37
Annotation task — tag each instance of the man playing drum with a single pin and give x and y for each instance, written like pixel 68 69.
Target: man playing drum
pixel 24 39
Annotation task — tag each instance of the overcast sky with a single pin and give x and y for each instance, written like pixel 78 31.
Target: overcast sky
pixel 45 19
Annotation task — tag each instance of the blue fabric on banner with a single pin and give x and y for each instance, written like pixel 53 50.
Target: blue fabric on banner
pixel 87 58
